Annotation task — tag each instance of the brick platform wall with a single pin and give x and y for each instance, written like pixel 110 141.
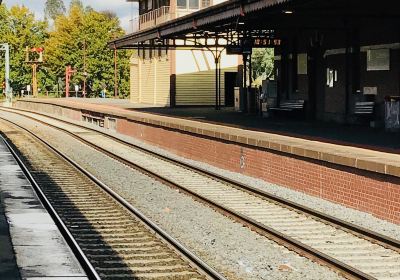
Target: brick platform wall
pixel 371 192
pixel 363 190
pixel 60 111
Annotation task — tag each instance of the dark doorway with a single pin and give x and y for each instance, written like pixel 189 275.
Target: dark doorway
pixel 230 82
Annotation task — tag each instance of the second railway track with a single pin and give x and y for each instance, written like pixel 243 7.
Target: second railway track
pixel 356 252
pixel 117 240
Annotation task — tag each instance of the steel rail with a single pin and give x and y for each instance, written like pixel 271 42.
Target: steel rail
pixel 384 240
pixel 283 239
pixel 83 260
pixel 186 253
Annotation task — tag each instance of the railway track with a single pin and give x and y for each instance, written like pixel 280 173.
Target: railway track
pixel 356 252
pixel 114 240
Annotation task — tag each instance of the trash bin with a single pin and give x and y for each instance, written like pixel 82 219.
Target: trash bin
pixel 392 112
pixel 239 99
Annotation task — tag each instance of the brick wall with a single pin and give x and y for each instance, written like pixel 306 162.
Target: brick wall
pixel 371 192
pixel 363 190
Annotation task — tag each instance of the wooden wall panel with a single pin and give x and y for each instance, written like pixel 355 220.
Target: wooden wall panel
pixel 198 88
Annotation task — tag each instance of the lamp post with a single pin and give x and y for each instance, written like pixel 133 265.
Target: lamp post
pixel 6 48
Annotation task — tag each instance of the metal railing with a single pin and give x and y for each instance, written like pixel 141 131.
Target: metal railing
pixel 154 17
pixel 161 15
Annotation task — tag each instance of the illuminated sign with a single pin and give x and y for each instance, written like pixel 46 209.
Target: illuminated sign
pixel 246 45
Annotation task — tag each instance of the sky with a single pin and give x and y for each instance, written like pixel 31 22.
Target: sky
pixel 120 7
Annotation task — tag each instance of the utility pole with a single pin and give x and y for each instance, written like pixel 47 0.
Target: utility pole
pixel 6 48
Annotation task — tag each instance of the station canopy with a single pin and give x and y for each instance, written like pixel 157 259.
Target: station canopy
pixel 241 24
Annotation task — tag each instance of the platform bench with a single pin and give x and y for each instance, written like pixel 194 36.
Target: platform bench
pixel 289 106
pixel 364 108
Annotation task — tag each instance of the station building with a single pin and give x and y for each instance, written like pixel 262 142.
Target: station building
pixel 177 77
pixel 345 62
pixel 335 55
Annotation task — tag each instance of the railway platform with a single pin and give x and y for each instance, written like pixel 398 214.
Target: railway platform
pixel 353 166
pixel 31 245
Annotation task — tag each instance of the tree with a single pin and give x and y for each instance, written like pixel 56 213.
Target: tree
pixel 20 29
pixel 262 61
pixel 77 3
pixel 85 33
pixel 54 8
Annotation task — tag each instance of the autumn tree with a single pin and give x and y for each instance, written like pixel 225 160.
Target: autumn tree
pixel 20 29
pixel 54 8
pixel 76 3
pixel 80 39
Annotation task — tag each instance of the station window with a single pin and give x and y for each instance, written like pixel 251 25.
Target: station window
pixel 193 4
pixel 142 7
pixel 205 3
pixel 188 4
pixel 149 5
pixel 181 4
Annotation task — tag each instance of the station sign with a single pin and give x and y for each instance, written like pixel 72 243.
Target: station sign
pixel 245 48
pixel 266 43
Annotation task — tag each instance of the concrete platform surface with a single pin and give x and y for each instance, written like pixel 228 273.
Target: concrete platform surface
pixel 380 158
pixel 34 247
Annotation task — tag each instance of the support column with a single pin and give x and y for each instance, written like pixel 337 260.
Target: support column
pixel 219 82
pixel 172 82
pixel 154 62
pixel 250 77
pixel 115 73
pixel 217 60
pixel 245 93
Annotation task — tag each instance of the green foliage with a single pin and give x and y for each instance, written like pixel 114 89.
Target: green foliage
pixel 262 61
pixel 84 33
pixel 76 3
pixel 54 8
pixel 20 29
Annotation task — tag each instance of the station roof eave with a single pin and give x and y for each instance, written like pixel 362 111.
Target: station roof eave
pixel 206 19
pixel 266 15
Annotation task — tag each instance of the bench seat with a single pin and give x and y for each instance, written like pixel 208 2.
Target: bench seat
pixel 364 108
pixel 289 105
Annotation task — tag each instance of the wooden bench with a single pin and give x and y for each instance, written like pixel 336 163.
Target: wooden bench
pixel 289 106
pixel 364 108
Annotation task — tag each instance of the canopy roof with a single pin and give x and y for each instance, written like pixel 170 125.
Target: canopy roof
pixel 235 19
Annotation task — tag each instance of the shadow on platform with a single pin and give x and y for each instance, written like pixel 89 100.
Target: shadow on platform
pixel 342 134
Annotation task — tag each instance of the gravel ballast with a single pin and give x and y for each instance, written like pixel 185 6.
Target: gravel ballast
pixel 226 245
pixel 357 217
